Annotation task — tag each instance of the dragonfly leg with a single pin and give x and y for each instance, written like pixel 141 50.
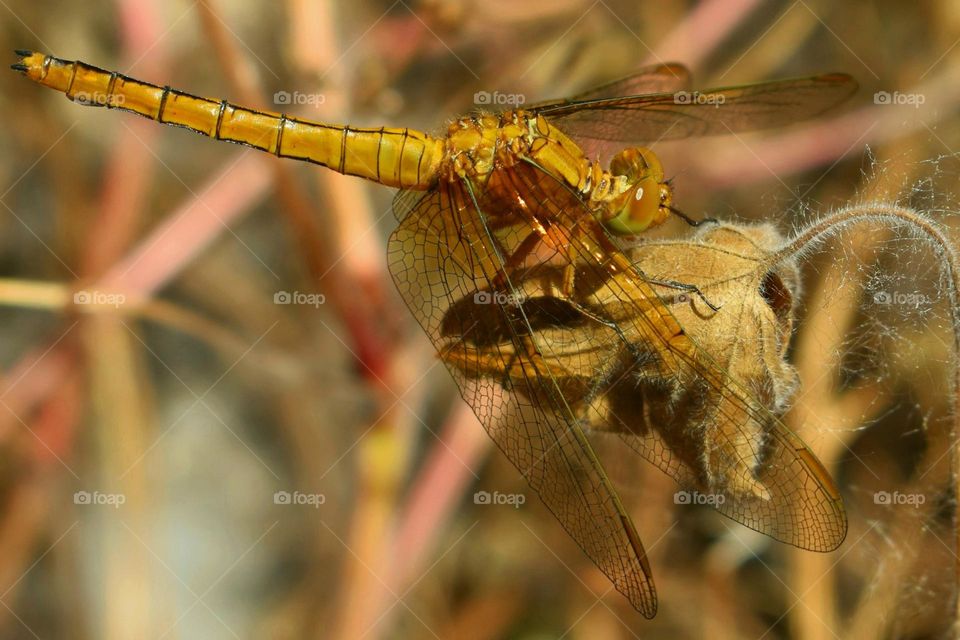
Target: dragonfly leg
pixel 516 259
pixel 683 286
pixel 568 285
pixel 690 221
pixel 498 223
pixel 578 242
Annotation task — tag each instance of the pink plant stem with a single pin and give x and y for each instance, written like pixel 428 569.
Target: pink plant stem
pixel 50 377
pixel 130 163
pixel 441 480
pixel 702 30
pixel 41 371
pixel 191 227
pixel 155 261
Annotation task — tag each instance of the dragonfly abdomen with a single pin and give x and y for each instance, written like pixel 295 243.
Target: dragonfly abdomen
pixel 395 157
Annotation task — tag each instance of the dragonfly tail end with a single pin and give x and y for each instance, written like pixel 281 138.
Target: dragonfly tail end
pixel 23 64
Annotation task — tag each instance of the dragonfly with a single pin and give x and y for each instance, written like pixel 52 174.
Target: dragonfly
pixel 509 253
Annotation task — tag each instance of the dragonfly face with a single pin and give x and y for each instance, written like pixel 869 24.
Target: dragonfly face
pixel 646 202
pixel 552 333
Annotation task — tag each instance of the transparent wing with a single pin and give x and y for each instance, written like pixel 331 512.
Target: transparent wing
pixel 659 78
pixel 638 119
pixel 443 258
pixel 542 364
pixel 730 443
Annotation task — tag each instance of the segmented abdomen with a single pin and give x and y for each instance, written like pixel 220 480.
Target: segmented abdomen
pixel 402 158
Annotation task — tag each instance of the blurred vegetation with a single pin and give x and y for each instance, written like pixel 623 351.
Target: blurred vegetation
pixel 198 398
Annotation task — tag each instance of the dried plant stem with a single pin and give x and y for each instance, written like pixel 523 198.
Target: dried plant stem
pixel 884 213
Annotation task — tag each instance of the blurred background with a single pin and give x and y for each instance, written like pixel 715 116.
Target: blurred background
pixel 217 419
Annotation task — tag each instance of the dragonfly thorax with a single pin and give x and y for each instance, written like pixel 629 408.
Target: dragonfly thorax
pixel 629 197
pixel 478 144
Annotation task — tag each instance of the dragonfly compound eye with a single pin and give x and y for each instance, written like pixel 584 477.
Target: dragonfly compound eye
pixel 644 205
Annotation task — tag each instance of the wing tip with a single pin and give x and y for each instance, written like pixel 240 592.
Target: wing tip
pixel 642 596
pixel 832 543
pixel 648 606
pixel 842 79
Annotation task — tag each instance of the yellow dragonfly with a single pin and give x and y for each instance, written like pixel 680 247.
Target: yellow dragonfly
pixel 504 198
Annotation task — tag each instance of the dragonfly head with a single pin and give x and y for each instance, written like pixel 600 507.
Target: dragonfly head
pixel 646 200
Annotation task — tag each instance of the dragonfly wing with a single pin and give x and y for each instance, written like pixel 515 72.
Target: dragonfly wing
pixel 749 335
pixel 639 119
pixel 679 406
pixel 443 258
pixel 804 508
pixel 658 78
